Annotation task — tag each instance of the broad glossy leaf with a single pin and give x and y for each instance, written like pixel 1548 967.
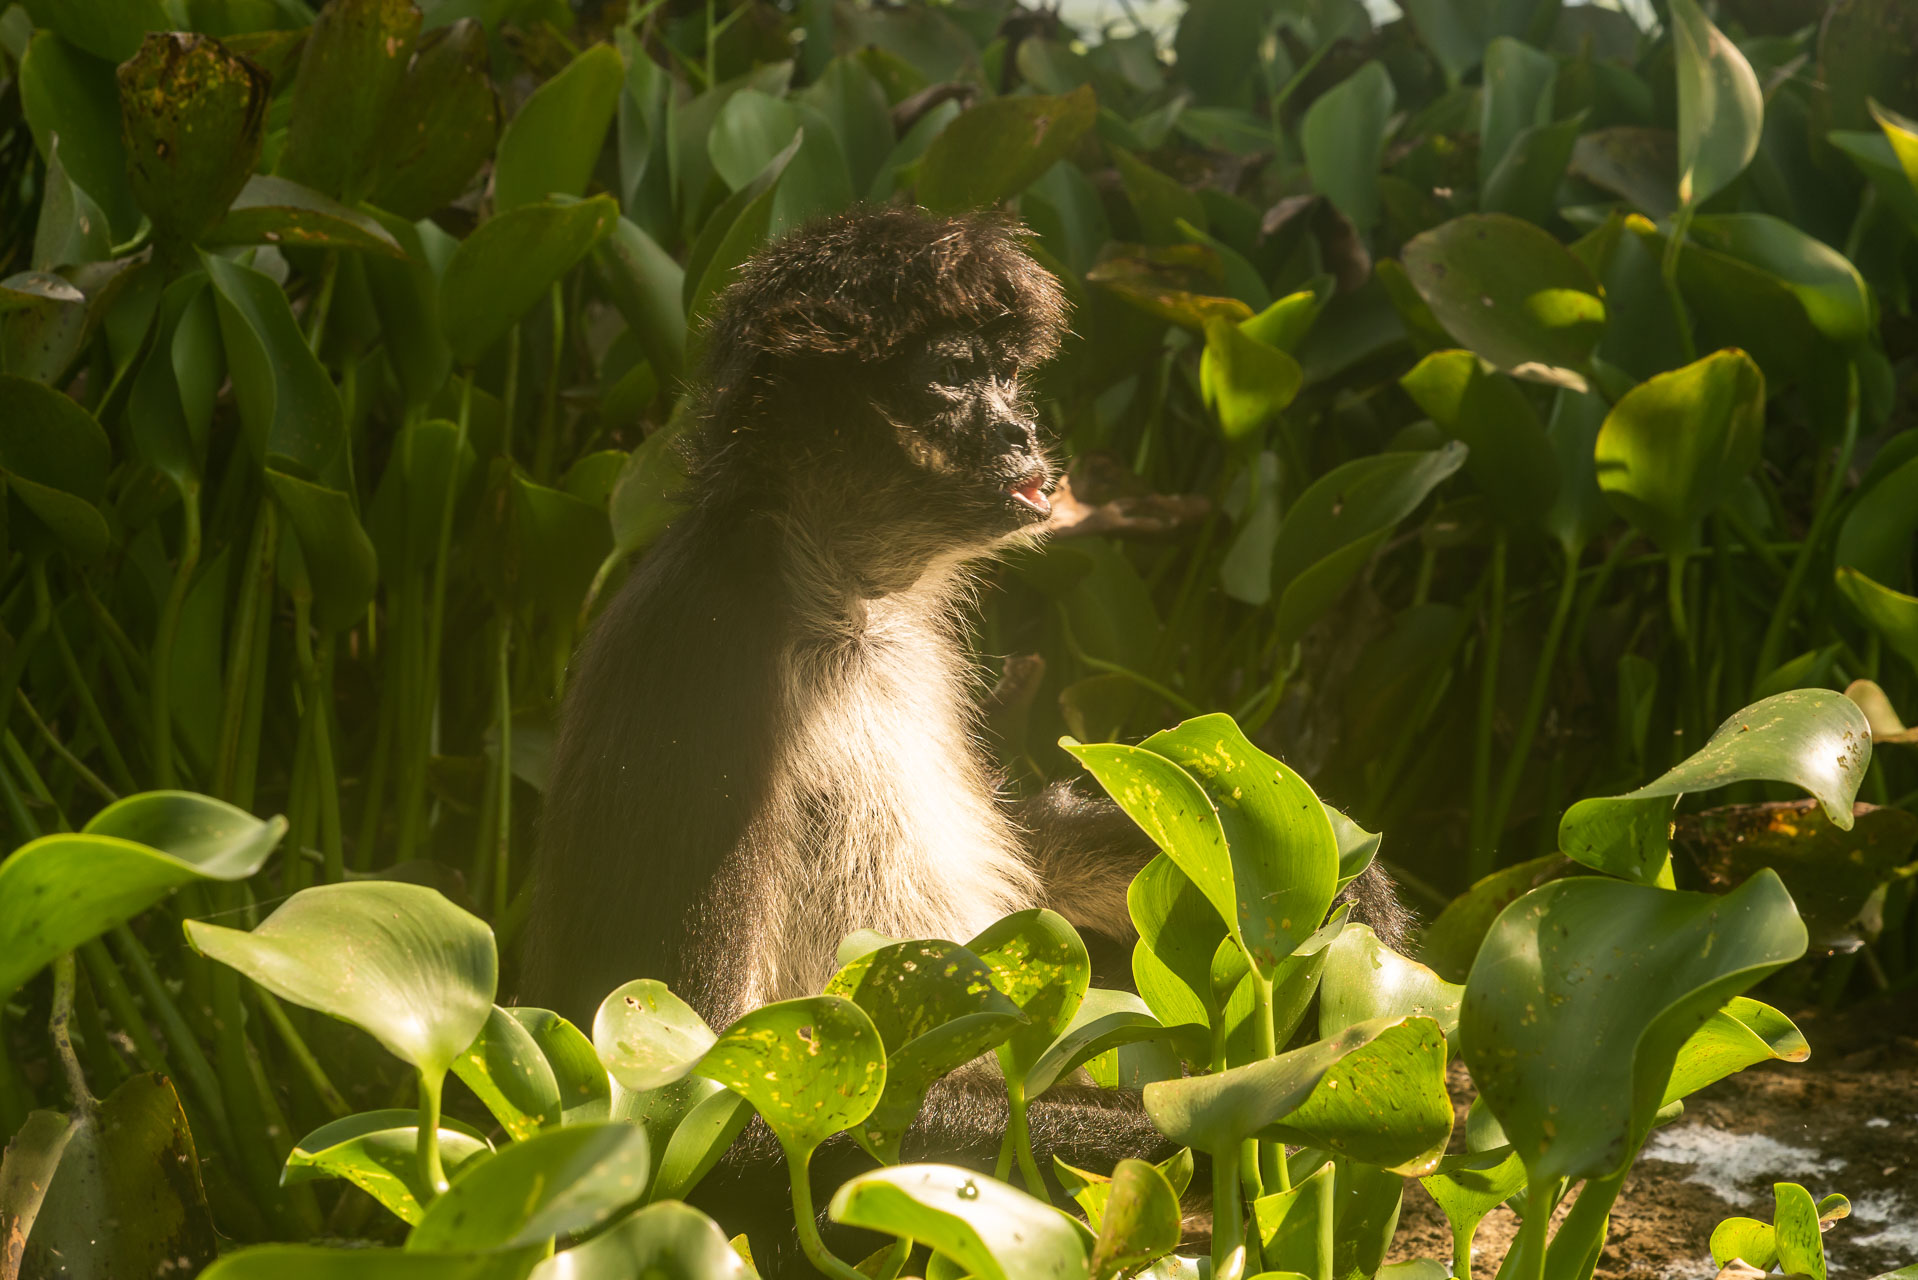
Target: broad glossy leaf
pixel 444 120
pixel 1173 810
pixel 1877 536
pixel 1296 1226
pixel 1471 1184
pixel 72 96
pixel 699 1140
pixel 935 1007
pixel 1343 134
pixel 27 1166
pixel 509 263
pixel 1365 979
pixel 1285 323
pixel 583 1081
pixel 1105 1019
pixel 1892 614
pixel 54 457
pixel 991 1230
pixel 1747 1238
pixel 644 282
pixel 668 1241
pixel 1801 1246
pixel 557 1183
pixel 544 545
pixel 193 114
pixel 288 404
pixel 1583 994
pixel 378 1152
pixel 1279 839
pixel 343 93
pixel 1675 447
pixel 1511 459
pixel 647 1036
pixel 1390 1073
pixel 1886 726
pixel 999 147
pixel 506 1071
pixel 1720 109
pixel 1450 942
pixel 1141 1220
pixel 1902 135
pixel 1743 1033
pixel 339 559
pixel 811 1067
pixel 58 891
pixel 550 146
pixel 1637 163
pixel 1245 382
pixel 1509 291
pixel 109 29
pixel 1823 280
pixel 1038 962
pixel 274 210
pixel 396 960
pixel 733 234
pixel 131 1164
pixel 1181 283
pixel 1179 931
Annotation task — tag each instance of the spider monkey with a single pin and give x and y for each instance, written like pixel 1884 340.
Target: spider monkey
pixel 768 740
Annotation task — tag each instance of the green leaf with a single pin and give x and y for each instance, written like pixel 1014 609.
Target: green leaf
pixel 1179 931
pixel 1509 291
pixel 544 545
pixel 935 1008
pixel 1469 1185
pixel 1285 323
pixel 648 1037
pixel 1747 1238
pixel 288 405
pixel 339 557
pixel 1886 727
pixel 668 1241
pixel 1823 280
pixel 193 115
pixel 510 1076
pixel 1038 962
pixel 1742 1034
pixel 735 231
pixel 1284 855
pixel 1674 448
pixel 1296 1226
pixel 1801 1246
pixel 272 210
pixel 1245 382
pixel 1877 536
pixel 999 147
pixel 58 891
pixel 131 1165
pixel 27 1166
pixel 378 1152
pixel 1365 979
pixel 1141 1220
pixel 396 960
pixel 1180 283
pixel 646 498
pixel 1451 941
pixel 582 1080
pixel 1376 1089
pixel 558 1183
pixel 550 146
pixel 1104 1020
pixel 404 518
pixel 1812 738
pixel 1511 459
pixel 1343 135
pixel 1892 614
pixel 55 458
pixel 73 96
pixel 109 29
pixel 699 1140
pixel 325 1262
pixel 1517 96
pixel 349 75
pixel 510 262
pixel 444 120
pixel 1647 965
pixel 992 1231
pixel 1720 109
pixel 644 282
pixel 1902 135
pixel 811 1067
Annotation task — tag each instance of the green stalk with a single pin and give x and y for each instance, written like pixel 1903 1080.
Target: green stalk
pixel 1668 271
pixel 503 831
pixel 1535 697
pixel 1773 643
pixel 1273 1175
pixel 547 442
pixel 160 665
pixel 302 1055
pixel 1021 1136
pixel 87 776
pixel 241 647
pixel 1584 1229
pixel 1530 1246
pixel 90 709
pixel 1682 629
pixel 245 1106
pixel 316 678
pixel 23 646
pixel 1484 837
pixel 1112 668
pixel 435 628
pixel 108 983
pixel 194 1067
pixel 59 1027
pixel 797 1173
pixel 1228 1217
pixel 431 1172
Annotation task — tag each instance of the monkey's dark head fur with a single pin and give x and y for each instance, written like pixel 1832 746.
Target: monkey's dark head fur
pixel 873 360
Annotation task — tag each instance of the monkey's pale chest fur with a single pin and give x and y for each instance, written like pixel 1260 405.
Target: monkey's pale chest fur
pixel 880 813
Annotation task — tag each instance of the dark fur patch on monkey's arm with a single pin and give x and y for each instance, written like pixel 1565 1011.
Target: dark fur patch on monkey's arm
pixel 1087 852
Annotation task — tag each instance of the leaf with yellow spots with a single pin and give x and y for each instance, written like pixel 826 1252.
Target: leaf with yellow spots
pixel 811 1067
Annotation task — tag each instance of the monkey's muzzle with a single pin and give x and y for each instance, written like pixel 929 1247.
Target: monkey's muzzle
pixel 1030 493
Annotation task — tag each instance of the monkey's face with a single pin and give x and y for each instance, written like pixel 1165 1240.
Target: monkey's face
pixel 956 410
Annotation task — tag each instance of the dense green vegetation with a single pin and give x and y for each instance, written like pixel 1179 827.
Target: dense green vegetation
pixel 1502 416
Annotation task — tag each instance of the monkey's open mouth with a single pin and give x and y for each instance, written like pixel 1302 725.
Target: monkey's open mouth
pixel 1031 494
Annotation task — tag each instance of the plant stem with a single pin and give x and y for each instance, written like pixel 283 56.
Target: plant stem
pixel 302 1055
pixel 1228 1217
pixel 1022 1138
pixel 23 646
pixel 90 708
pixel 1535 698
pixel 60 749
pixel 1112 668
pixel 1668 271
pixel 160 664
pixel 1273 1175
pixel 1682 629
pixel 1584 1228
pixel 436 625
pixel 431 1172
pixel 58 1026
pixel 109 984
pixel 798 1175
pixel 1539 1199
pixel 1484 835
pixel 503 833
pixel 194 1067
